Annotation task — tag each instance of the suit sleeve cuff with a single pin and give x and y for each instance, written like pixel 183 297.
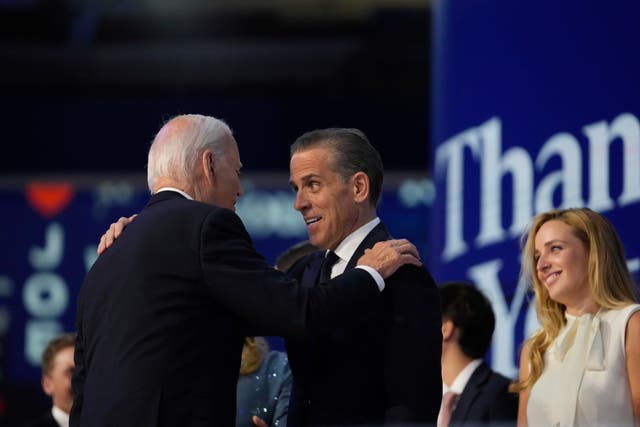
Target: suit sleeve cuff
pixel 374 273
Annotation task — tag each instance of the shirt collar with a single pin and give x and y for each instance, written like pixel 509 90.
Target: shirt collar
pixel 348 246
pixel 61 417
pixel 176 190
pixel 458 385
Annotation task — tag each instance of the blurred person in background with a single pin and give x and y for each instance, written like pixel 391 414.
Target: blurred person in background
pixel 293 253
pixel 57 369
pixel 473 394
pixel 264 385
pixel 582 367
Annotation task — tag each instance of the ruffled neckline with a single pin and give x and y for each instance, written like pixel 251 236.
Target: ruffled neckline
pixel 572 317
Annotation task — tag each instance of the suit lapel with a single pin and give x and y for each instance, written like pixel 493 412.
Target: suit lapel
pixel 473 388
pixel 311 271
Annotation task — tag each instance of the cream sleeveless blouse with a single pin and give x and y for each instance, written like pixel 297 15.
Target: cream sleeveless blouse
pixel 584 381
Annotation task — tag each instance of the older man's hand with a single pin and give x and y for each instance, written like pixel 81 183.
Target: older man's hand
pixel 387 256
pixel 114 231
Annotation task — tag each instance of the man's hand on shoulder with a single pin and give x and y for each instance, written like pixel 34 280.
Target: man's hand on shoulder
pixel 114 231
pixel 386 257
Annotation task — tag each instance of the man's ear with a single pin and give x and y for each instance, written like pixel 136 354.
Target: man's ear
pixel 47 385
pixel 448 328
pixel 207 164
pixel 360 182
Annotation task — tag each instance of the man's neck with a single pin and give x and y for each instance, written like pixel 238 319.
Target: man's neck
pixel 363 217
pixel 177 190
pixel 453 362
pixel 349 244
pixel 171 183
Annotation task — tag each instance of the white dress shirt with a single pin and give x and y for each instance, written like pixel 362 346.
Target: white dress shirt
pixel 61 417
pixel 347 248
pixel 177 190
pixel 461 380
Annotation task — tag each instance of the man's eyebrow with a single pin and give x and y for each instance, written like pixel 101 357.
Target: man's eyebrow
pixel 305 178
pixel 310 176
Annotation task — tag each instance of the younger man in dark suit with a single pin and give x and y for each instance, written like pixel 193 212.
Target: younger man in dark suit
pixel 385 371
pixel 477 395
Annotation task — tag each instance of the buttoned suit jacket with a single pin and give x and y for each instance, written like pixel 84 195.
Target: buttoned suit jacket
pixel 485 401
pixel 384 369
pixel 162 315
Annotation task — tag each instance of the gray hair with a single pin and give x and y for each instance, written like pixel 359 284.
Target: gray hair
pixel 175 153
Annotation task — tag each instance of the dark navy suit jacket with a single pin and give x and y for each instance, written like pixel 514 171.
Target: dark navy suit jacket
pixel 44 420
pixel 162 316
pixel 385 369
pixel 485 401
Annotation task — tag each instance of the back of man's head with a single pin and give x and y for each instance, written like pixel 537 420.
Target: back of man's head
pixel 471 313
pixel 352 153
pixel 176 148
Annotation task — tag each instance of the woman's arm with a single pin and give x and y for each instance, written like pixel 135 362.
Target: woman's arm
pixel 632 350
pixel 524 394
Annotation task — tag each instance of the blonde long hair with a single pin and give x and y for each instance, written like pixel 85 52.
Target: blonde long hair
pixel 254 350
pixel 608 278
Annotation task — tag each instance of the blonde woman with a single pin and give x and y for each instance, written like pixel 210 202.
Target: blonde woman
pixel 264 385
pixel 582 367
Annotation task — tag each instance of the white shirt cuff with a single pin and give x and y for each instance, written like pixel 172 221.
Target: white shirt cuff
pixel 374 273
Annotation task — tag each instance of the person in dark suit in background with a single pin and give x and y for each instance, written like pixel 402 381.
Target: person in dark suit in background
pixel 57 368
pixel 293 253
pixel 473 394
pixel 385 370
pixel 163 313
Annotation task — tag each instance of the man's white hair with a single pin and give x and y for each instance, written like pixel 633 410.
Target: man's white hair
pixel 174 154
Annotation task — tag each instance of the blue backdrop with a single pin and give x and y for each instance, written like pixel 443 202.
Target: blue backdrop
pixel 536 105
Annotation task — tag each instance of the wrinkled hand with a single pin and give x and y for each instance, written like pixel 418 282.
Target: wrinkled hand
pixel 259 422
pixel 386 257
pixel 114 231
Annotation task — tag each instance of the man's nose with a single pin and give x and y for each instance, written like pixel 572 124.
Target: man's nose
pixel 299 202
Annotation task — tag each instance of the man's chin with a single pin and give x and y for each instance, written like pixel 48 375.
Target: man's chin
pixel 315 242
